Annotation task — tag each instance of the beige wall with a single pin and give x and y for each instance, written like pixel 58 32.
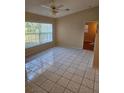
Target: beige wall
pixel 70 28
pixel 67 31
pixel 30 17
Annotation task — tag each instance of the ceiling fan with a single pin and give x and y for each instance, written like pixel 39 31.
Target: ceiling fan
pixel 55 8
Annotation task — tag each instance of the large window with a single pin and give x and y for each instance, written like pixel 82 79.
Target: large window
pixel 37 33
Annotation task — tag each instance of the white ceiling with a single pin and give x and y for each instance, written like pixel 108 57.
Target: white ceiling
pixel 35 6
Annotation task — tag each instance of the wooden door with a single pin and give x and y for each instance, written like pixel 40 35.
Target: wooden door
pixel 89 36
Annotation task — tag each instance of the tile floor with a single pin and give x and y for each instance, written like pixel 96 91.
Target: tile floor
pixel 62 70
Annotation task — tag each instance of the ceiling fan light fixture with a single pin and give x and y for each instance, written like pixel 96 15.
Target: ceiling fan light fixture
pixel 67 9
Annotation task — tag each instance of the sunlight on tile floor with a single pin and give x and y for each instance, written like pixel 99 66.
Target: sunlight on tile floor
pixel 62 70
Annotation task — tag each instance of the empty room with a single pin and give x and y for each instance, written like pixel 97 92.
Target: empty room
pixel 61 46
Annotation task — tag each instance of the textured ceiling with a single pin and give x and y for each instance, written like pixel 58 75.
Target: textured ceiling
pixel 35 6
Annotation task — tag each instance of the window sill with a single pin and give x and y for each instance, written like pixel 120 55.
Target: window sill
pixel 39 45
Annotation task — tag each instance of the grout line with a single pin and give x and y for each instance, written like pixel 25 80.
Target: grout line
pixel 83 77
pixel 71 63
pixel 81 82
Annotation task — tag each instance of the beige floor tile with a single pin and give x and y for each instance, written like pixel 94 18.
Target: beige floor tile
pixel 97 78
pixel 60 72
pixel 35 89
pixel 77 79
pixel 82 67
pixel 57 89
pixel 52 69
pixel 47 74
pixel 58 66
pixel 28 89
pixel 79 72
pixel 96 91
pixel 67 75
pixel 54 77
pixel 90 76
pixel 84 89
pixel 71 70
pixel 63 82
pixel 47 85
pixel 91 70
pixel 88 83
pixel 67 91
pixel 96 86
pixel 74 66
pixel 40 80
pixel 63 67
pixel 67 63
pixel 73 86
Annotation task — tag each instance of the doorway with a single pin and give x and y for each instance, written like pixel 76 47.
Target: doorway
pixel 89 35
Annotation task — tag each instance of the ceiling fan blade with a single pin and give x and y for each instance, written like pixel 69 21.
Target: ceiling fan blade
pixel 60 6
pixel 46 7
pixel 64 9
pixel 55 9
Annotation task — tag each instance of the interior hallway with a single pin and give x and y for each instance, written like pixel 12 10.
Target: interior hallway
pixel 62 70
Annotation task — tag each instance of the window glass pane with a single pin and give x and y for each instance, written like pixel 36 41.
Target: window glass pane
pixel 46 33
pixel 37 33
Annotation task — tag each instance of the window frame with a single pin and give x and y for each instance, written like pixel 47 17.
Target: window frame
pixel 40 33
